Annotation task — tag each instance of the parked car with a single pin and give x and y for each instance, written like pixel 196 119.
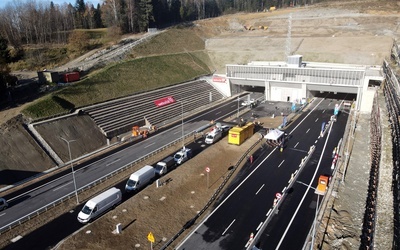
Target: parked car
pixel 162 167
pixel 248 102
pixel 3 204
pixel 183 155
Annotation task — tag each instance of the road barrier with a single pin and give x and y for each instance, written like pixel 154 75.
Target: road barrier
pixel 88 186
pixel 190 222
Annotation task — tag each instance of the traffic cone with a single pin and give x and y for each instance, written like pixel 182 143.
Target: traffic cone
pixel 251 237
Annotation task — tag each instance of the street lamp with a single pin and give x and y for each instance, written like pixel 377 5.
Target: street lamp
pixel 183 135
pixel 238 106
pixel 72 167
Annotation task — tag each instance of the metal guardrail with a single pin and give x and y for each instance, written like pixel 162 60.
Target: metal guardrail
pixel 251 243
pixel 43 209
pixel 190 222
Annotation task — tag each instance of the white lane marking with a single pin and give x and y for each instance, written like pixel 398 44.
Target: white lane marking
pixel 316 120
pixel 305 117
pixel 150 144
pixel 108 164
pixel 248 176
pixel 259 226
pixel 2 214
pixel 57 188
pixel 323 111
pixel 218 113
pixel 228 227
pixel 177 132
pixel 260 189
pixel 307 131
pixel 281 163
pixel 305 193
pixel 296 144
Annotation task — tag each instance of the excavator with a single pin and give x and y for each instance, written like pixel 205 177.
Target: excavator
pixel 143 131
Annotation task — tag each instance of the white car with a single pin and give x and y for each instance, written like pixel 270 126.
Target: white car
pixel 247 103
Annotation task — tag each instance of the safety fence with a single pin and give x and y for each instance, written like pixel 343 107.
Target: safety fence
pixel 189 223
pixel 88 186
pixel 391 92
pixel 368 226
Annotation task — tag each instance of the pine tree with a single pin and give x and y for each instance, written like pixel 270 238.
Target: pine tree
pixel 145 14
pixel 4 69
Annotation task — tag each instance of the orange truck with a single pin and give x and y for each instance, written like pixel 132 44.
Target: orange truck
pixel 323 181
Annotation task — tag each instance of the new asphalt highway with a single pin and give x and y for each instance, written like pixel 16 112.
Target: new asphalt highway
pixel 35 197
pixel 242 208
pixel 246 207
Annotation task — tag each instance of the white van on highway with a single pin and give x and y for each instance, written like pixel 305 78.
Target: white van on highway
pixel 140 178
pixel 100 204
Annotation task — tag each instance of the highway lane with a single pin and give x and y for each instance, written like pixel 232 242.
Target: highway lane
pixel 290 227
pixel 244 211
pixel 49 234
pixel 39 196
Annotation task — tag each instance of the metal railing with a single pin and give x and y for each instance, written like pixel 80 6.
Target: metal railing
pixel 90 185
pixel 190 222
pixel 392 102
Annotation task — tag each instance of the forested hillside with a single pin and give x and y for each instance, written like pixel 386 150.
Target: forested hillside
pixel 27 22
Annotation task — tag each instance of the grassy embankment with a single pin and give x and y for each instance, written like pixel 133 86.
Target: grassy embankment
pixel 172 57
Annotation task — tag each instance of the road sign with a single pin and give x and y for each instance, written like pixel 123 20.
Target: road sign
pixel 207 169
pixel 278 195
pixel 150 237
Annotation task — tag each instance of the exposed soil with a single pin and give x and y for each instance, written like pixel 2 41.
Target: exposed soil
pixel 164 210
pixel 319 34
pixel 353 33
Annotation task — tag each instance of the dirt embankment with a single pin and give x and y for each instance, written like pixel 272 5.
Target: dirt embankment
pixel 330 34
pixel 21 156
pixel 80 130
pixel 164 210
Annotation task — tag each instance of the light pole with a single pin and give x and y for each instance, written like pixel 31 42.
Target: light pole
pixel 183 135
pixel 238 106
pixel 72 168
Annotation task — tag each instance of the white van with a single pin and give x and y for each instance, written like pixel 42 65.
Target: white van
pixel 100 204
pixel 213 136
pixel 140 178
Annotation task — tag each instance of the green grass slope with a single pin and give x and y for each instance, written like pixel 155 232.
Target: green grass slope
pixel 174 40
pixel 122 79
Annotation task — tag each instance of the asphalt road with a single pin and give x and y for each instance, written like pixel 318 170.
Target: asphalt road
pixel 245 210
pixel 39 196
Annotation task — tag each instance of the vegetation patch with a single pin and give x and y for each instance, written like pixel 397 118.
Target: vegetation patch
pixel 46 107
pixel 169 42
pixel 120 80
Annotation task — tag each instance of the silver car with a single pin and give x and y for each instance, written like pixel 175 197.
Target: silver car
pixel 3 204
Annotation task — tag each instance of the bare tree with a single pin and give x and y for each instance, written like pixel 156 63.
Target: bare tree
pixel 131 14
